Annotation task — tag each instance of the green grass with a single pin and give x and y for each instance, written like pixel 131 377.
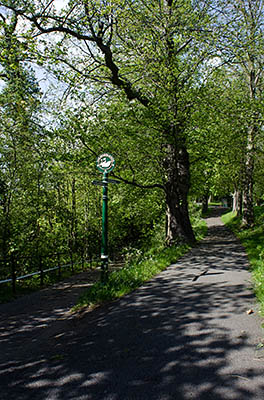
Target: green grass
pixel 137 271
pixel 215 203
pixel 253 241
pixel 129 278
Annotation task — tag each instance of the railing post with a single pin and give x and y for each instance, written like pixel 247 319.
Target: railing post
pixel 59 264
pixel 13 270
pixel 82 260
pixel 41 271
pixel 71 256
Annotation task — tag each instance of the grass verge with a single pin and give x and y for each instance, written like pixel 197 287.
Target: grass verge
pixel 149 264
pixel 129 278
pixel 253 241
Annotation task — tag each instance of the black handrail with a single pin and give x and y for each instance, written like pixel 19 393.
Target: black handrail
pixel 13 263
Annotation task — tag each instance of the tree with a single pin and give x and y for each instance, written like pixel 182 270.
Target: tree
pixel 219 135
pixel 159 70
pixel 242 46
pixel 19 100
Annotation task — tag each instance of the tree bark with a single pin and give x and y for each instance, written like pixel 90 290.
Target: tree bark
pixel 237 202
pixel 205 200
pixel 73 225
pixel 248 184
pixel 248 212
pixel 178 225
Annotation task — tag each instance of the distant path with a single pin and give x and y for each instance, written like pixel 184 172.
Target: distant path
pixel 184 335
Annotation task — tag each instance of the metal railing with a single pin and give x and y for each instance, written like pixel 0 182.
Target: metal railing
pixel 12 263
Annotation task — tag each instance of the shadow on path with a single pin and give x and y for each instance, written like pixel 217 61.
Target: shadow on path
pixel 183 335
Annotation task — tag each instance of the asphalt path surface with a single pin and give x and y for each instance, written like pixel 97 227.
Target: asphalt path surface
pixel 186 334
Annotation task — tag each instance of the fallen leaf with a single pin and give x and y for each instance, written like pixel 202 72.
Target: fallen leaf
pixel 250 311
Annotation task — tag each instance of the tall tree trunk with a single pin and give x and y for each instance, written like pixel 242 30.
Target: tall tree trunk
pixel 6 235
pixel 205 201
pixel 6 228
pixel 240 204
pixel 237 202
pixel 73 226
pixel 178 225
pixel 248 211
pixel 248 184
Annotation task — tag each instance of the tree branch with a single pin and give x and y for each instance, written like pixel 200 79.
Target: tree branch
pixel 124 84
pixel 115 78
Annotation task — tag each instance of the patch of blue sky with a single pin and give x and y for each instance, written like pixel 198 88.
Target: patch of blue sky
pixel 59 4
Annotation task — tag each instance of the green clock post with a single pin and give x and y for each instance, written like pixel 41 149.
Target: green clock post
pixel 105 163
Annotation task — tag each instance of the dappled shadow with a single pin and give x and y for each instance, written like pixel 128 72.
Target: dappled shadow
pixel 161 342
pixel 27 317
pixel 217 211
pixel 184 335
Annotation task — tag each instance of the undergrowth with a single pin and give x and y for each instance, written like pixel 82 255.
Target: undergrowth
pixel 130 277
pixel 253 241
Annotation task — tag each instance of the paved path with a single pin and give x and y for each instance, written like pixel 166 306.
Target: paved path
pixel 184 335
